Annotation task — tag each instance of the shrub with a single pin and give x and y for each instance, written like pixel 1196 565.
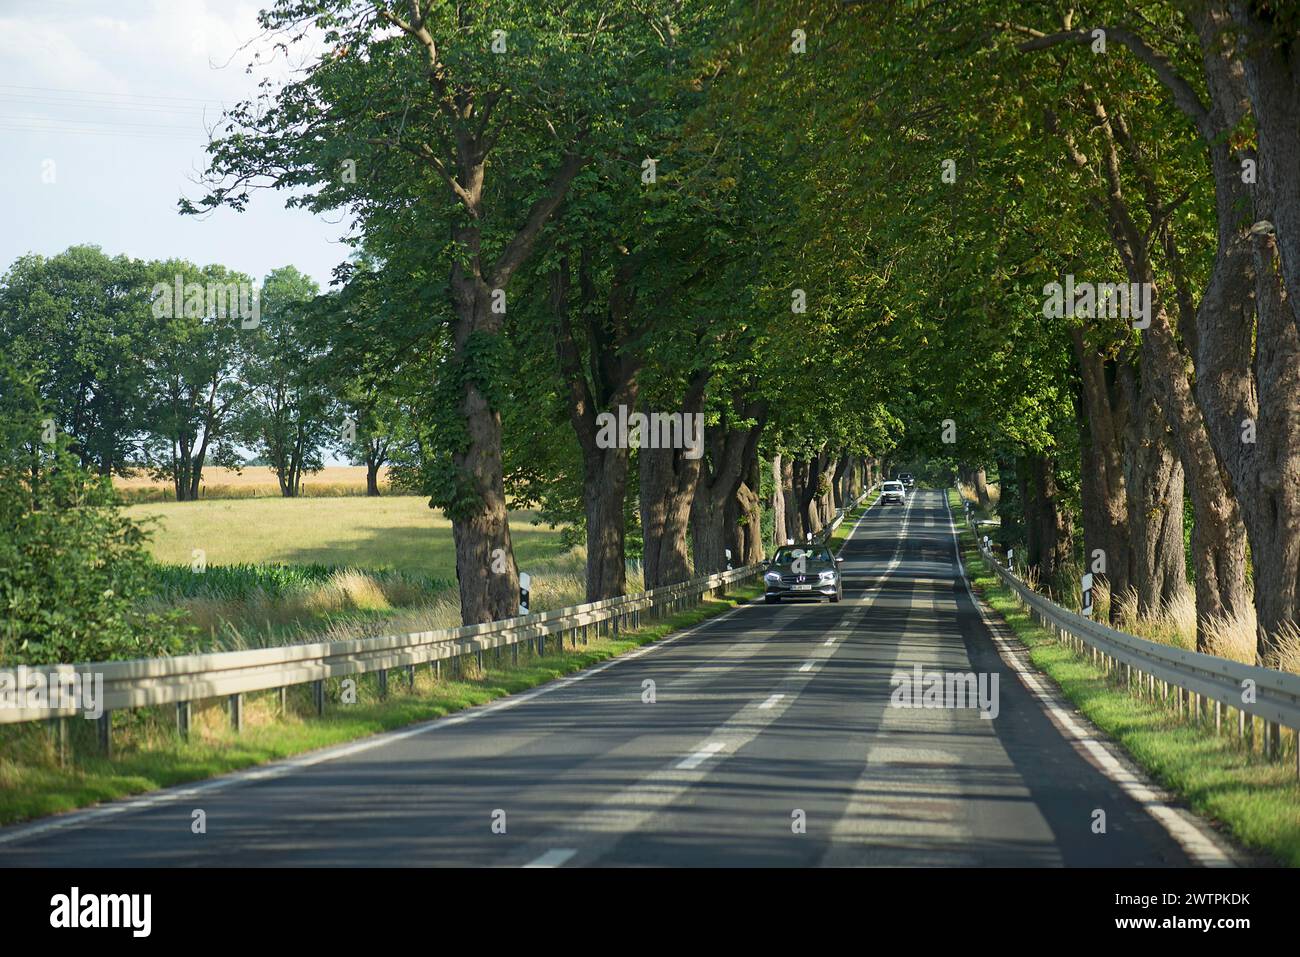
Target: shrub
pixel 73 568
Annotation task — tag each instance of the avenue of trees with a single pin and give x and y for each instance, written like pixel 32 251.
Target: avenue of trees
pixel 829 228
pixel 1008 146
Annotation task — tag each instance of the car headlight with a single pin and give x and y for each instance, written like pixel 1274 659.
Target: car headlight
pixel 827 576
pixel 772 577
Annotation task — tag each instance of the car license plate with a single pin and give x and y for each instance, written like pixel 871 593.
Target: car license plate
pixel 803 587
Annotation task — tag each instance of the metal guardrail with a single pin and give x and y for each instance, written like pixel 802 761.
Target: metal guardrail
pixel 1199 683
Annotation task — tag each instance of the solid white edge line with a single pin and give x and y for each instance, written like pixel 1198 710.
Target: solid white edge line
pixel 767 705
pixel 1182 826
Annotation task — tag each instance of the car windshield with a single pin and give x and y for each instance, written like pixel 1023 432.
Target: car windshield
pixel 893 486
pixel 788 553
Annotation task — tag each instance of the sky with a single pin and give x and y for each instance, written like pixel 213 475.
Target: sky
pixel 104 110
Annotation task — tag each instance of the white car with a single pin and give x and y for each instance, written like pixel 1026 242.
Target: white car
pixel 893 492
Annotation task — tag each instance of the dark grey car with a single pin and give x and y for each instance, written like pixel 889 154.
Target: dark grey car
pixel 803 571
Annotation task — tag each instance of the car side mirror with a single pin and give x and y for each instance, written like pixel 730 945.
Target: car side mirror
pixel 838 560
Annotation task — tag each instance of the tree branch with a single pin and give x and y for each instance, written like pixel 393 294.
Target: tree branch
pixel 522 244
pixel 1185 96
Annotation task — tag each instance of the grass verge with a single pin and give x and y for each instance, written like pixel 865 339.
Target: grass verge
pixel 150 755
pixel 1255 800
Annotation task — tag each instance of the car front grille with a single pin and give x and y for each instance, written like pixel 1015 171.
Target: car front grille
pixel 801 580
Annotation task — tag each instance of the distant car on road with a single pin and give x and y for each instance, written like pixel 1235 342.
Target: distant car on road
pixel 803 571
pixel 907 479
pixel 893 492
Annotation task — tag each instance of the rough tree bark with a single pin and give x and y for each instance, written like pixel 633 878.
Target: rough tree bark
pixel 744 518
pixel 778 502
pixel 1055 523
pixel 790 493
pixel 668 479
pixel 838 489
pixel 728 450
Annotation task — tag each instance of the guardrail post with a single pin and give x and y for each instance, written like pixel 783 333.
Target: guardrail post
pixel 237 712
pixel 410 678
pixel 106 733
pixel 284 701
pixel 514 652
pixel 1218 717
pixel 183 720
pixel 479 657
pixel 437 669
pixel 1272 740
pixel 383 683
pixel 58 729
pixel 318 694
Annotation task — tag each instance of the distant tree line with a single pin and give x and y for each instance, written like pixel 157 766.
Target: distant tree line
pixel 166 367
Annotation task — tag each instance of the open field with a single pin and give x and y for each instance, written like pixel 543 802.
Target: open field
pixel 255 481
pixel 397 532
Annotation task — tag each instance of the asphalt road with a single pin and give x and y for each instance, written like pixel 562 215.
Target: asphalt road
pixel 767 717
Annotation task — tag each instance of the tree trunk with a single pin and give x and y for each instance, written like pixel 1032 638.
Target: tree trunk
pixel 604 491
pixel 728 451
pixel 1155 513
pixel 790 495
pixel 778 502
pixel 668 481
pixel 1218 534
pixel 1056 525
pixel 1107 411
pixel 980 481
pixel 838 481
pixel 751 550
pixel 1030 508
pixel 486 573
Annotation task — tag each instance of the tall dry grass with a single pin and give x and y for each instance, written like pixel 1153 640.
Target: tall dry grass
pixel 1234 637
pixel 1231 637
pixel 352 603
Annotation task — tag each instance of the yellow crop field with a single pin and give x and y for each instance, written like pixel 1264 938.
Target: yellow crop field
pixel 398 531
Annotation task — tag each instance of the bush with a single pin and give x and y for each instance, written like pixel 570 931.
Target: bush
pixel 73 568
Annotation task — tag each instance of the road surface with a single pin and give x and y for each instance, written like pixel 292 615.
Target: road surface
pixel 771 740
